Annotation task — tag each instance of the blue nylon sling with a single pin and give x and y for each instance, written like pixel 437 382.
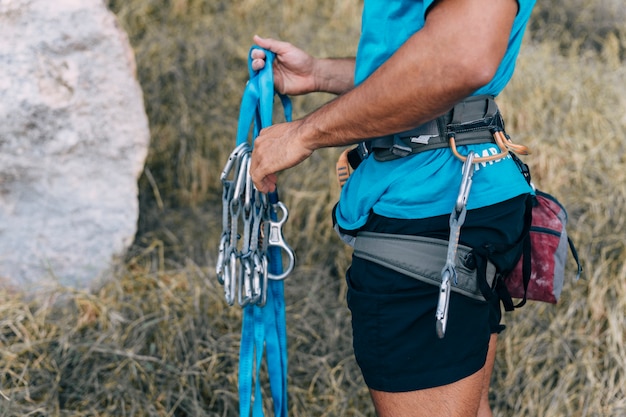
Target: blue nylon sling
pixel 263 327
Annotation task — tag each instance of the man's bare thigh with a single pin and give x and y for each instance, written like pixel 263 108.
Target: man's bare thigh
pixel 459 399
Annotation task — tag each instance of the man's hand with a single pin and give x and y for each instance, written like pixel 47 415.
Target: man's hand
pixel 293 68
pixel 275 149
pixel 296 72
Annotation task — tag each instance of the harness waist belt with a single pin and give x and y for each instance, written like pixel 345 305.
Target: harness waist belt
pixel 423 258
pixel 471 121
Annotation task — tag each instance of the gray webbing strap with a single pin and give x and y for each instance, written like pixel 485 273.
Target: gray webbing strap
pixel 471 121
pixel 422 258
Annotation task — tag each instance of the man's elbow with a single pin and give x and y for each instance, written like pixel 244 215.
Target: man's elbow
pixel 478 73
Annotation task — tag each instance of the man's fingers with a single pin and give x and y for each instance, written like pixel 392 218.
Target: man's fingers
pixel 266 184
pixel 258 64
pixel 258 59
pixel 276 46
pixel 263 42
pixel 257 53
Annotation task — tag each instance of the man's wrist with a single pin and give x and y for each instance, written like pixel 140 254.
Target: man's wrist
pixel 333 75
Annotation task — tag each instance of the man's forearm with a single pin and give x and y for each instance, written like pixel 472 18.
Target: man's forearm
pixel 334 75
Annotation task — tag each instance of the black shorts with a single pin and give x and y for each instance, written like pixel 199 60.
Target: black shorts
pixel 393 315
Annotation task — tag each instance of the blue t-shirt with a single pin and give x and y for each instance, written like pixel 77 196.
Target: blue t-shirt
pixel 425 184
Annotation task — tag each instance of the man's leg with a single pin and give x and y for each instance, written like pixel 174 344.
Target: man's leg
pixel 468 397
pixel 459 399
pixel 485 408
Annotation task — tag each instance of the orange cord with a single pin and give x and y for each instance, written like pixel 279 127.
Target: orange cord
pixel 519 149
pixel 342 168
pixel 503 143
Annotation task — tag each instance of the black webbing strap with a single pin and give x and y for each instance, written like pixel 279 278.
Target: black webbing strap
pixel 510 255
pixel 471 121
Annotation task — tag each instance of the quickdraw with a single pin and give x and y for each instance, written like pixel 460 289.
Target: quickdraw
pixel 457 218
pixel 248 231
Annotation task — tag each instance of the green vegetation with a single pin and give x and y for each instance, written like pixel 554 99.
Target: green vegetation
pixel 158 340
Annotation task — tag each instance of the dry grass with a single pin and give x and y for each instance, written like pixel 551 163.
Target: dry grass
pixel 570 360
pixel 158 340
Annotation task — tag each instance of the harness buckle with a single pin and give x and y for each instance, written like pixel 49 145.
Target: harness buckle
pixel 399 148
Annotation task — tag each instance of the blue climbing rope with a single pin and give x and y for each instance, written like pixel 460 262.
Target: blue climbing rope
pixel 263 328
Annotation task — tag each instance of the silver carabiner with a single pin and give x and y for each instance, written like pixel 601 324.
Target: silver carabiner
pixel 221 258
pixel 449 274
pixel 248 193
pixel 443 303
pixel 234 158
pixel 231 273
pixel 466 183
pixel 258 274
pixel 245 282
pixel 276 239
pixel 263 277
pixel 240 180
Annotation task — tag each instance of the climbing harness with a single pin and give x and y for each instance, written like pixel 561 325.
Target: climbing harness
pixel 418 256
pixel 250 254
pixel 472 121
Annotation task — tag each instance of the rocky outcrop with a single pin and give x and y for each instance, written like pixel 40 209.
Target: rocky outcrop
pixel 73 141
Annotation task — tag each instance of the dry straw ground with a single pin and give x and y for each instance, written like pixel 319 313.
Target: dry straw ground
pixel 158 340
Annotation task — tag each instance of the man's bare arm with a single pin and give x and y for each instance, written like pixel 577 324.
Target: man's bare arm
pixel 458 51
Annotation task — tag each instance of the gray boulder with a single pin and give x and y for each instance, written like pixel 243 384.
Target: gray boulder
pixel 73 141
